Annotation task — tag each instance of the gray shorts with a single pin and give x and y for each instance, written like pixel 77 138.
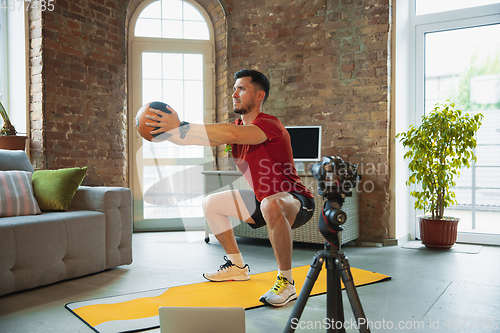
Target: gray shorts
pixel 307 207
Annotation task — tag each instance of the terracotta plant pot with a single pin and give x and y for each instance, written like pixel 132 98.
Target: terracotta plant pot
pixel 13 142
pixel 440 234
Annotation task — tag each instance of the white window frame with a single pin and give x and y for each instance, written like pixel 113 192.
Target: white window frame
pixel 15 59
pixel 3 55
pixel 409 97
pixel 137 45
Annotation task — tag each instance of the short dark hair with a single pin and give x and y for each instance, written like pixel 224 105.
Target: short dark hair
pixel 258 79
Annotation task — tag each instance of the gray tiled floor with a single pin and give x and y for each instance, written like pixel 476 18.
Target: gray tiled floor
pixel 430 291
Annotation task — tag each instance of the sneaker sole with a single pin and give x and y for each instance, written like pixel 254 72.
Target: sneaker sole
pixel 238 279
pixel 285 302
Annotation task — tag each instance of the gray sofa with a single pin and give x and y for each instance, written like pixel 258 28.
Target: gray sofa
pixel 93 235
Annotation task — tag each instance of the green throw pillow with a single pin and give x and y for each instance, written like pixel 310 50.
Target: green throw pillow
pixel 54 189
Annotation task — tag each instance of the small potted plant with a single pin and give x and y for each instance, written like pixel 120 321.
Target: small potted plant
pixel 438 149
pixel 8 137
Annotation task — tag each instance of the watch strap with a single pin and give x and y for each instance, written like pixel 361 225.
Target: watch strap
pixel 183 129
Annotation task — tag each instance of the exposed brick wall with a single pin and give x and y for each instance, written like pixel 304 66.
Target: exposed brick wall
pixel 37 119
pixel 327 61
pixel 79 114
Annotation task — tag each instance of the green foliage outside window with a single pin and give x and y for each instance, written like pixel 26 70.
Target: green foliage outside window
pixel 461 95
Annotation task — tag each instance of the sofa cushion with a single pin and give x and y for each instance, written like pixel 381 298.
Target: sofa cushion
pixel 116 203
pixel 16 194
pixel 14 160
pixel 42 249
pixel 54 189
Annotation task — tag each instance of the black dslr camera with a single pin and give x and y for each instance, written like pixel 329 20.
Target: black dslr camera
pixel 334 176
pixel 336 180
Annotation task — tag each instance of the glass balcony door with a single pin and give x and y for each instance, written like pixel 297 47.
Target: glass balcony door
pixel 460 61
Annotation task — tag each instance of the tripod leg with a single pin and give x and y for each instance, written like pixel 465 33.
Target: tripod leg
pixel 312 276
pixel 334 305
pixel 357 309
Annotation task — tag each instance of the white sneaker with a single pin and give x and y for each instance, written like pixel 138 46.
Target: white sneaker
pixel 280 294
pixel 229 272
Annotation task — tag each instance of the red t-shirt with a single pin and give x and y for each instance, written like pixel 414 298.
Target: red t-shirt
pixel 268 167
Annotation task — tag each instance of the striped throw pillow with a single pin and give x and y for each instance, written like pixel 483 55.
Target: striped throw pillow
pixel 16 194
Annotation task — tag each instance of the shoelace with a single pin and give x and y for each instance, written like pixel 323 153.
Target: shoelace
pixel 280 284
pixel 228 264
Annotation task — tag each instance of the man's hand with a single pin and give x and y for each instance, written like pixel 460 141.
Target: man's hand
pixel 164 122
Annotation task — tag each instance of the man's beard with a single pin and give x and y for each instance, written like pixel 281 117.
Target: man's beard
pixel 242 110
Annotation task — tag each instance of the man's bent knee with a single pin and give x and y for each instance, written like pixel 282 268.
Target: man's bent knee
pixel 272 209
pixel 208 202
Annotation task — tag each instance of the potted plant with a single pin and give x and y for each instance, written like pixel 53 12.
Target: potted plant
pixel 438 149
pixel 8 137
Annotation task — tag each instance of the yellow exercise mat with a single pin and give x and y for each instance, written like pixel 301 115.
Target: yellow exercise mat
pixel 132 312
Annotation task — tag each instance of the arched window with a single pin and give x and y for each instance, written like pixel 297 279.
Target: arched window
pixel 172 19
pixel 171 52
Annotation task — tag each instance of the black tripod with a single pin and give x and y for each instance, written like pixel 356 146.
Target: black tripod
pixel 337 267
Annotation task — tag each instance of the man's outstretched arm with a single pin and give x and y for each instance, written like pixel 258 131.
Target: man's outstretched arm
pixel 205 134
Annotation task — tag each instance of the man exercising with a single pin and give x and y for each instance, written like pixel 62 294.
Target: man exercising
pixel 262 151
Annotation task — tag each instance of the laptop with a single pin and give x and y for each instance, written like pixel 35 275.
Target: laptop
pixel 181 319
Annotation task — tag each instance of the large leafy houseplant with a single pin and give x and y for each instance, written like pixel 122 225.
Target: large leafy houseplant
pixel 441 146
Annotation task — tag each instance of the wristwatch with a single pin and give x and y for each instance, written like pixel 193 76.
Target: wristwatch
pixel 183 129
